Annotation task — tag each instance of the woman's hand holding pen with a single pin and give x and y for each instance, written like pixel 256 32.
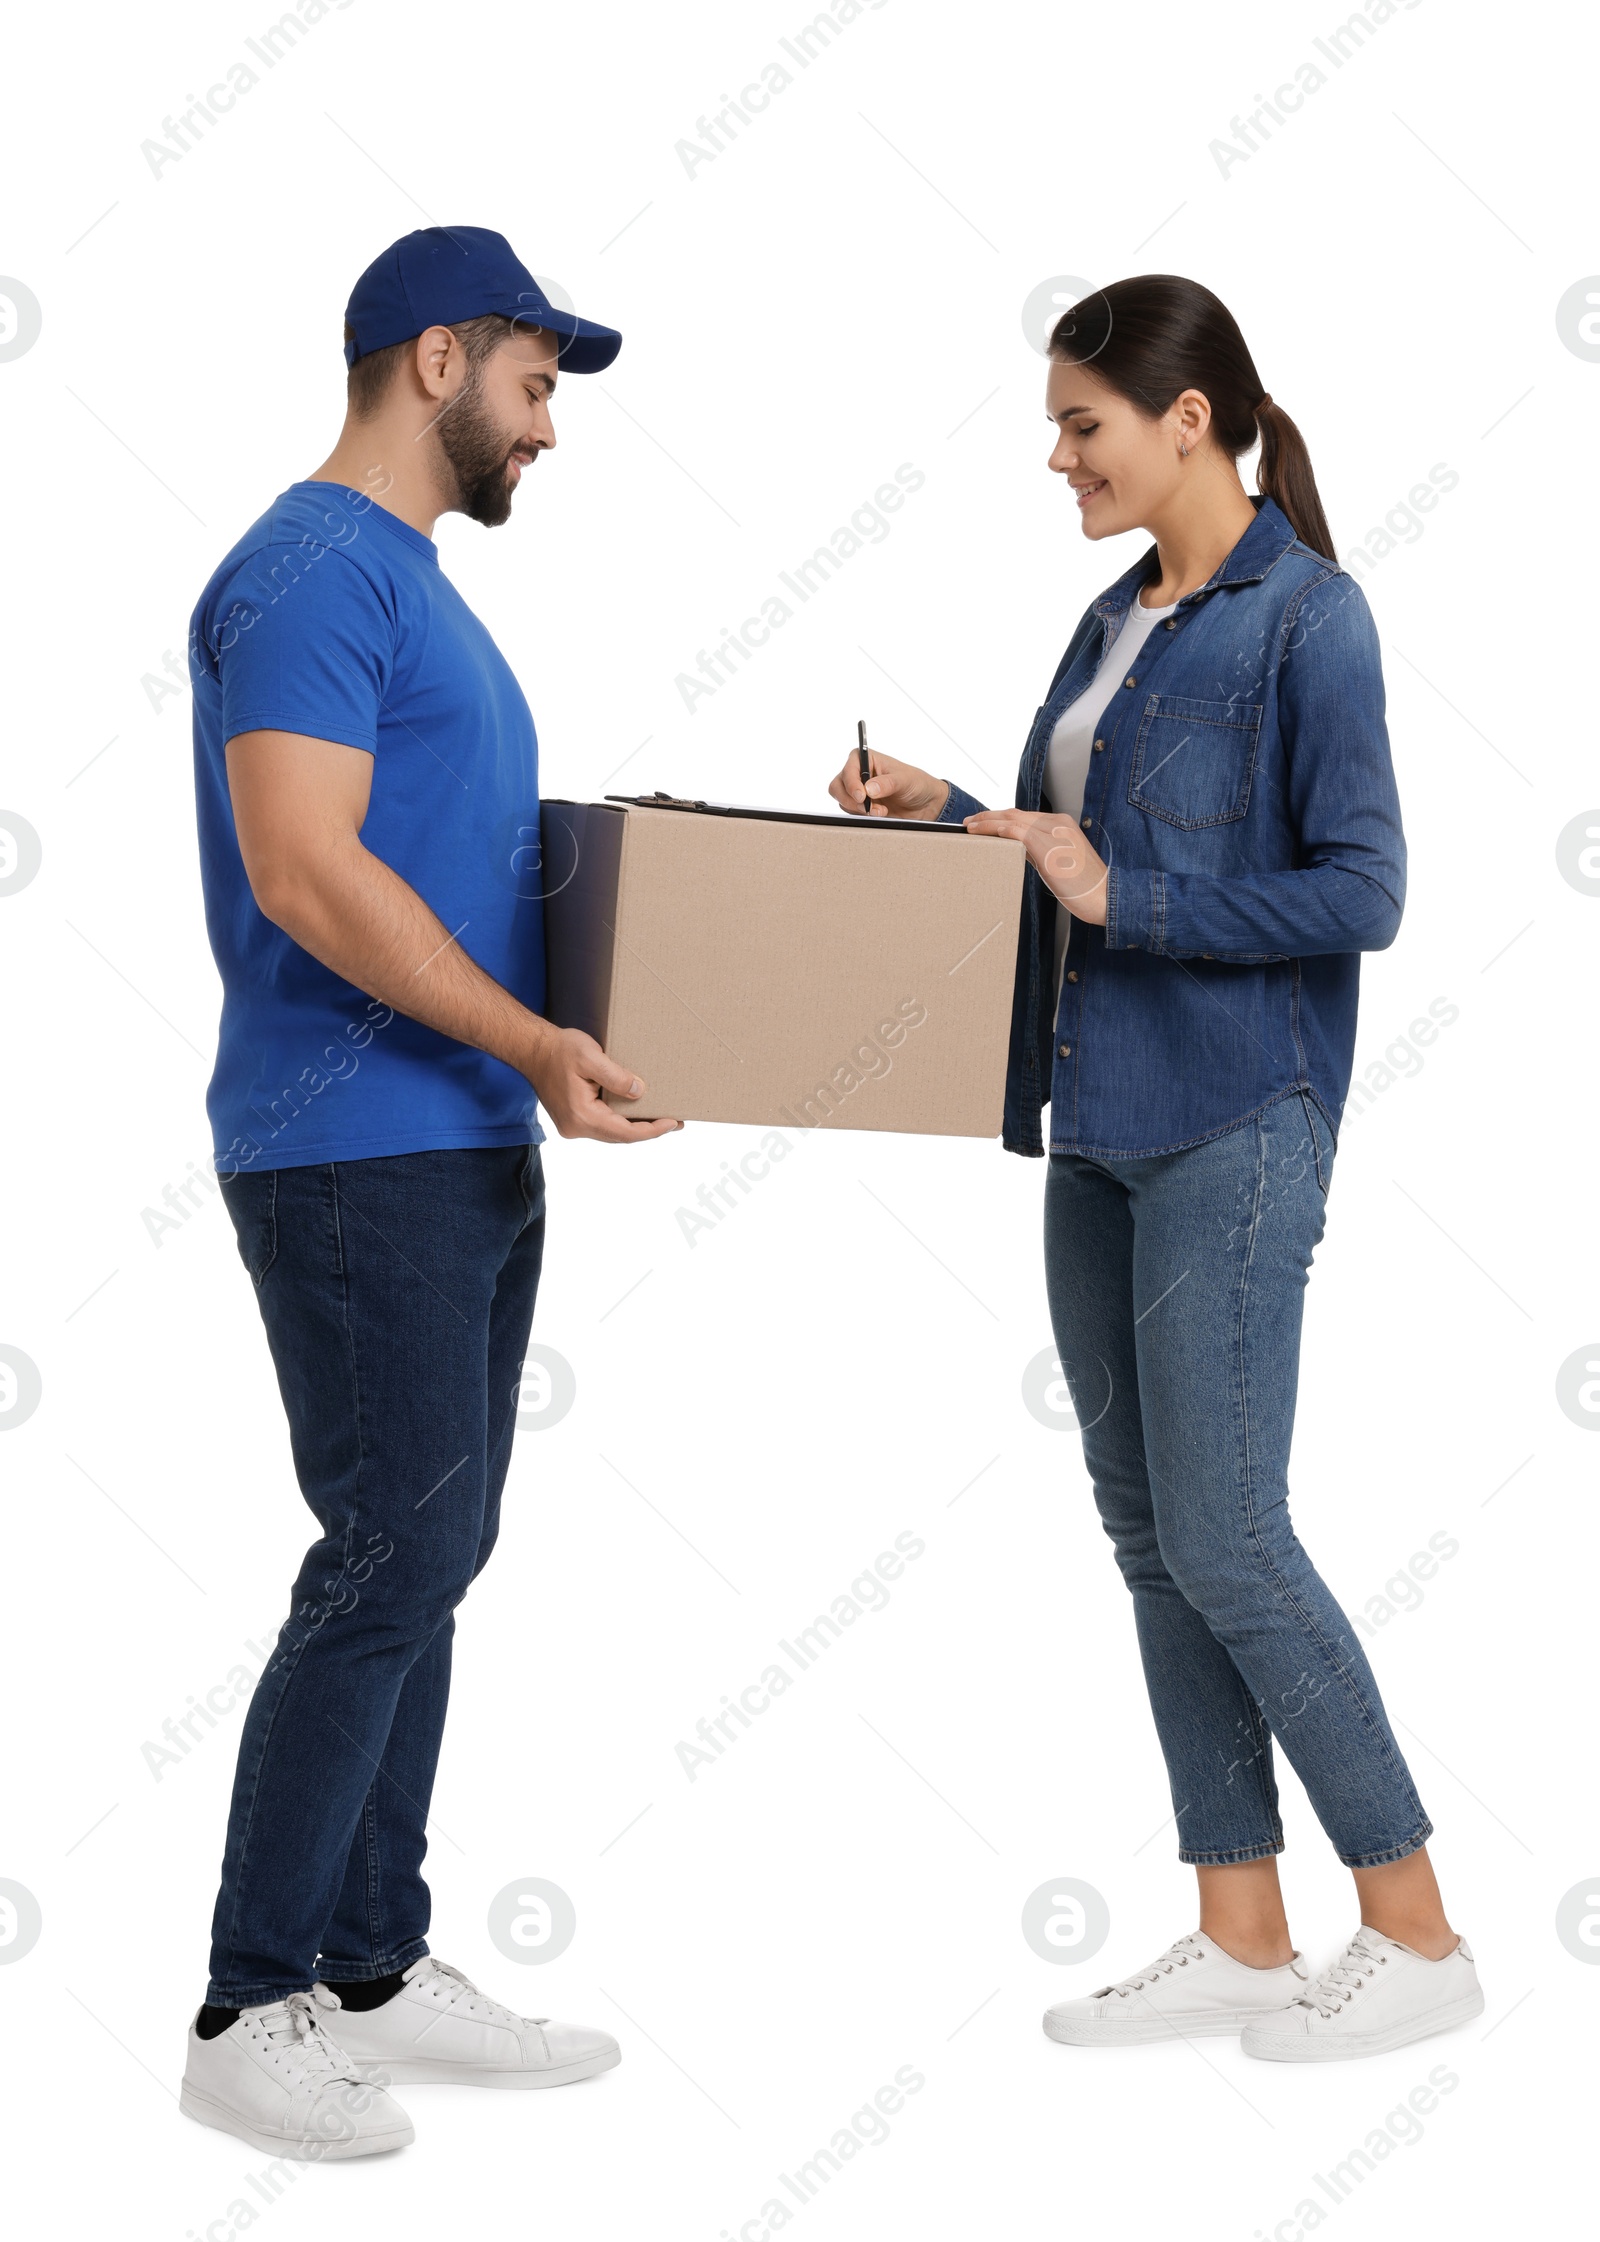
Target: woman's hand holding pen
pixel 1059 852
pixel 894 790
pixel 877 786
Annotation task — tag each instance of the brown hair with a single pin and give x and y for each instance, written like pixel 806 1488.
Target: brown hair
pixel 1155 336
pixel 367 383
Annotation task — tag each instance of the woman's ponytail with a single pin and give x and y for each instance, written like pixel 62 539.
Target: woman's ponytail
pixel 1284 472
pixel 1153 337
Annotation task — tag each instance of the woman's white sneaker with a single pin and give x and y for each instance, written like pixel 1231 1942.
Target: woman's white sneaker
pixel 1193 1991
pixel 439 2030
pixel 276 2080
pixel 1378 1995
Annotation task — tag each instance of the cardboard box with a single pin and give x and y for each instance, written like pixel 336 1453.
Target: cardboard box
pixel 794 971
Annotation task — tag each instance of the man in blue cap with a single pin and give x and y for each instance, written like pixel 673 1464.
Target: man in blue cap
pixel 367 779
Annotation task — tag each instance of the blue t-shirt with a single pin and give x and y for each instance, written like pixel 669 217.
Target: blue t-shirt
pixel 331 617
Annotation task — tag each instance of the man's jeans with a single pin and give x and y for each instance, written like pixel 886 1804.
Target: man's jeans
pixel 398 1296
pixel 1176 1286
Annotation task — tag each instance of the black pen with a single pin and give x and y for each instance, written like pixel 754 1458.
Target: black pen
pixel 863 759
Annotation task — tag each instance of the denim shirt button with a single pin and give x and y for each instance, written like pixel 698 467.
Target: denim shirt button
pixel 1127 681
pixel 1072 976
pixel 1171 623
pixel 1066 1050
pixel 1099 747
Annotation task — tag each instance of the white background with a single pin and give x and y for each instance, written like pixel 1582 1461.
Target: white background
pixel 839 1896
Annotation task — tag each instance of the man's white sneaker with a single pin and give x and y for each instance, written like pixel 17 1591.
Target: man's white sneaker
pixel 440 2030
pixel 1192 1991
pixel 1378 1995
pixel 276 2080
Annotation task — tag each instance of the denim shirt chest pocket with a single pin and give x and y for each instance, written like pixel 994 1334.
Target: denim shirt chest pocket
pixel 1194 760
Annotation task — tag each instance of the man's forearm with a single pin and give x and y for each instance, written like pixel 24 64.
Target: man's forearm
pixel 362 921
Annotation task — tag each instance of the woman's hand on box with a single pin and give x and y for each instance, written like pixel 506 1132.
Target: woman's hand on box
pixel 894 790
pixel 1059 852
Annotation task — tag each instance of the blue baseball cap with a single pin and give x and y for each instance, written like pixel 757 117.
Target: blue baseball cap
pixel 442 275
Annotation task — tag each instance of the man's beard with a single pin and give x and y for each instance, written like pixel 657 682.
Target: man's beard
pixel 479 454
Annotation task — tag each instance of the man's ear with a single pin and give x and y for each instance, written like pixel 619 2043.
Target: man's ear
pixel 436 349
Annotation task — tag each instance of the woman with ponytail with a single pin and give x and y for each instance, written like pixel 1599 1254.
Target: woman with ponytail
pixel 1213 837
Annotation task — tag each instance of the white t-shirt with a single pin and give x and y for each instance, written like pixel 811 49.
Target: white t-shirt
pixel 1066 767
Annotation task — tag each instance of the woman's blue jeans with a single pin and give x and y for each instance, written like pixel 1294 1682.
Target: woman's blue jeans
pixel 1176 1286
pixel 397 1295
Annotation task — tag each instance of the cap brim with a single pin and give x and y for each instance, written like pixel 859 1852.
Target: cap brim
pixel 586 347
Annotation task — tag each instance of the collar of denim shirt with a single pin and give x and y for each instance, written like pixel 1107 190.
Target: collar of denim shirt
pixel 1266 541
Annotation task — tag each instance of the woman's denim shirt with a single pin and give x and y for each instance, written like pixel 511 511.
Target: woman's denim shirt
pixel 1241 790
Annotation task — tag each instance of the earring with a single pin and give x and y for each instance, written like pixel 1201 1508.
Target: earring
pixel 1183 451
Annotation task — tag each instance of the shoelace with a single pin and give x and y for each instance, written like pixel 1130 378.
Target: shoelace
pixel 1340 1984
pixel 459 1991
pixel 1178 1956
pixel 294 2028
